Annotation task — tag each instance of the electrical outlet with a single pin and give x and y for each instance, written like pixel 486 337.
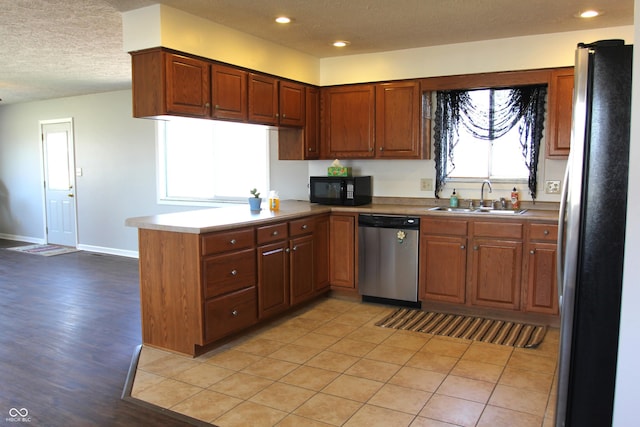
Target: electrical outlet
pixel 426 184
pixel 552 187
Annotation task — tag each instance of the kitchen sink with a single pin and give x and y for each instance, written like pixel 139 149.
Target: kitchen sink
pixel 479 210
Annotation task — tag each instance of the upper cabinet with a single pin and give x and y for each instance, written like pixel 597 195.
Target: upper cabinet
pixel 292 104
pixel 263 99
pixel 229 93
pixel 372 121
pixel 559 110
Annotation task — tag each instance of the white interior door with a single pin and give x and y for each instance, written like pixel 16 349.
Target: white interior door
pixel 59 185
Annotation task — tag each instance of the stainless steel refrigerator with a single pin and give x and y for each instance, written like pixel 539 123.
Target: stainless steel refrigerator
pixel 592 232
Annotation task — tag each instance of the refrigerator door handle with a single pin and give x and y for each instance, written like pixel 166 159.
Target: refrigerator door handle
pixel 561 231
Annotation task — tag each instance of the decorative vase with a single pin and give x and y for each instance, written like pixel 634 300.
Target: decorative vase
pixel 254 203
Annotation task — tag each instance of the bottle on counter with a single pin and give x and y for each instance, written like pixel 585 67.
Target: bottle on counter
pixel 453 200
pixel 274 201
pixel 515 198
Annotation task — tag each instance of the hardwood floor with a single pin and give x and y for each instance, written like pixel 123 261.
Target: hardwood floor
pixel 69 326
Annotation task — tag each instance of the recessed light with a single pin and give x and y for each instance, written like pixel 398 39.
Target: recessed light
pixel 589 14
pixel 283 19
pixel 341 43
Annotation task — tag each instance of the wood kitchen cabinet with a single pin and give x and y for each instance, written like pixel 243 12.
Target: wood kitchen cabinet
pixel 342 251
pixel 443 260
pixel 292 104
pixel 302 143
pixel 166 83
pixel 495 264
pixel 560 108
pixel 273 269
pixel 302 260
pixel 263 99
pixel 321 246
pixel 398 120
pixel 348 115
pixel 541 284
pixel 228 93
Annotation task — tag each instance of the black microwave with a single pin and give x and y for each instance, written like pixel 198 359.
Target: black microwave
pixel 340 190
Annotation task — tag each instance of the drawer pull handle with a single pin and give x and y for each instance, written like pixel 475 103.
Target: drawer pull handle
pixel 546 232
pixel 234 272
pixel 233 241
pixel 305 226
pixel 234 313
pixel 275 233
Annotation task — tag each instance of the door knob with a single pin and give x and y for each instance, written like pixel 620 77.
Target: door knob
pixel 70 194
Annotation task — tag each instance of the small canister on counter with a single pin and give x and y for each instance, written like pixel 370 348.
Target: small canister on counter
pixel 515 199
pixel 274 201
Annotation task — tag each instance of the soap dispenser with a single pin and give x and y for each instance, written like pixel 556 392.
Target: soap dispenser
pixel 453 200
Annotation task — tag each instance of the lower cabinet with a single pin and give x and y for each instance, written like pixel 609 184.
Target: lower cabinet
pixel 541 294
pixel 230 313
pixel 342 250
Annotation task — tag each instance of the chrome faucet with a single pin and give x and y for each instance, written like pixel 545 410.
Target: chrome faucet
pixel 486 181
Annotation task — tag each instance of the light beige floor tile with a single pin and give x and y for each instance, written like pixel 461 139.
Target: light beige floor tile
pixel 319 314
pixel 305 323
pixel 283 333
pixel 354 388
pixel 432 362
pixel 488 353
pixel 310 378
pixel 373 370
pixel 149 354
pixel 501 417
pixel 242 386
pixel 259 346
pixel 169 365
pixel 372 334
pixel 339 305
pixel 446 347
pixel 418 379
pixel 204 375
pixel 401 399
pixel 530 402
pixel 328 409
pixel 168 393
pixel 335 329
pixel 532 362
pixel 408 340
pixel 272 369
pixel 144 380
pixel 428 422
pixel 526 380
pixel 332 361
pixel 295 353
pixel 352 347
pixel 478 370
pixel 316 340
pixel 206 405
pixel 452 410
pixel 249 413
pixel 298 421
pixel 234 360
pixel 282 396
pixel 387 353
pixel 466 388
pixel 375 416
pixel 352 318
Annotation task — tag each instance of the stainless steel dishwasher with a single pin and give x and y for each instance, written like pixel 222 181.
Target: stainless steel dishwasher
pixel 388 259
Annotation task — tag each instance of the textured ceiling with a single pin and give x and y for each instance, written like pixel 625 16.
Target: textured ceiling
pixel 56 48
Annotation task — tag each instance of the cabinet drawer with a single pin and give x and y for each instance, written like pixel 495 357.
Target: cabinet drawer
pixel 452 227
pixel 272 233
pixel 301 226
pixel 233 240
pixel 506 229
pixel 229 272
pixel 230 313
pixel 546 232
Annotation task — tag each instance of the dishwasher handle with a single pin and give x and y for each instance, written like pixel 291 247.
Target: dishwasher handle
pixel 389 221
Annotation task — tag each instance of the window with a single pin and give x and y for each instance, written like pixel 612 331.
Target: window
pixel 204 161
pixel 489 134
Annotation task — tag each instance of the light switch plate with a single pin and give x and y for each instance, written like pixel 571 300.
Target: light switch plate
pixel 426 184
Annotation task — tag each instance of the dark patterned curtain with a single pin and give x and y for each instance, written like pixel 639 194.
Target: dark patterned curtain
pixel 455 110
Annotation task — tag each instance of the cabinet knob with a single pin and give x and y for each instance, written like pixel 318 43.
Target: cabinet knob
pixel 461 246
pixel 304 226
pixel 287 250
pixel 546 232
pixel 532 251
pixel 217 106
pixel 295 248
pixel 381 148
pixel 234 313
pixel 207 105
pixel 309 149
pixel 284 116
pixel 233 241
pixel 476 247
pixel 234 272
pixel 275 233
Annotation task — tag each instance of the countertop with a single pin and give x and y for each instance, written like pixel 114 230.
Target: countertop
pixel 216 219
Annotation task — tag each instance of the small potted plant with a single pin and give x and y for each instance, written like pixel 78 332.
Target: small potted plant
pixel 255 201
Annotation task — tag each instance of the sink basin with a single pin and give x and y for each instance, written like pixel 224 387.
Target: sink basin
pixel 446 209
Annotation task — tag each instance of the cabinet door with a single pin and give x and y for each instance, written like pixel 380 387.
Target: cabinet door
pixel 398 120
pixel 321 247
pixel 495 273
pixel 228 93
pixel 443 262
pixel 187 85
pixel 263 99
pixel 273 279
pixel 342 251
pixel 292 104
pixel 542 285
pixel 302 272
pixel 559 113
pixel 312 123
pixel 230 313
pixel 349 121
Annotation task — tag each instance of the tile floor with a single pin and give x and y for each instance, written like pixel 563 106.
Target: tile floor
pixel 329 365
